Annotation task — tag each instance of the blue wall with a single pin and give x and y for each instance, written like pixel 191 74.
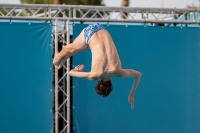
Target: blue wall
pixel 167 99
pixel 25 78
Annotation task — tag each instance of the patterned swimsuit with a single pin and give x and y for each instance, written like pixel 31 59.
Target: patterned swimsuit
pixel 90 30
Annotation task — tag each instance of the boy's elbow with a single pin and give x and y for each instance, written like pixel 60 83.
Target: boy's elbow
pixel 92 76
pixel 70 73
pixel 140 74
pixel 89 78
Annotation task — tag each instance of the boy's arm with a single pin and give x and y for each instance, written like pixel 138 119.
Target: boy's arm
pixel 81 74
pixel 132 74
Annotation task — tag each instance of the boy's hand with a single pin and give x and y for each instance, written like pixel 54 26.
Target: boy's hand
pixel 131 100
pixel 79 67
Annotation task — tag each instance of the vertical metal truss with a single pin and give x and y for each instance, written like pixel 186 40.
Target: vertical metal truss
pixel 61 82
pixel 99 14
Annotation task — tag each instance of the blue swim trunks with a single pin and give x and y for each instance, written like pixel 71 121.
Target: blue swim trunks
pixel 90 30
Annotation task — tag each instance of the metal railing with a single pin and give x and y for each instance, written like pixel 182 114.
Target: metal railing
pixel 105 14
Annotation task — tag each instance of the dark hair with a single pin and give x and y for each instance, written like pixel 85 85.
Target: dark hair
pixel 103 88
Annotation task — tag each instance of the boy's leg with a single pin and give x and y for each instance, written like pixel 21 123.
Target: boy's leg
pixel 79 42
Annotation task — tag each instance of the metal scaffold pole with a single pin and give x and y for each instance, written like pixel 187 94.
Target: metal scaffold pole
pixel 68 82
pixel 56 78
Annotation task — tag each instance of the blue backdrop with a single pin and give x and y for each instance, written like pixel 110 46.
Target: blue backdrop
pixel 167 99
pixel 25 78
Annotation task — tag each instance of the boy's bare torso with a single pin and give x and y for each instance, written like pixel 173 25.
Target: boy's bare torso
pixel 105 59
